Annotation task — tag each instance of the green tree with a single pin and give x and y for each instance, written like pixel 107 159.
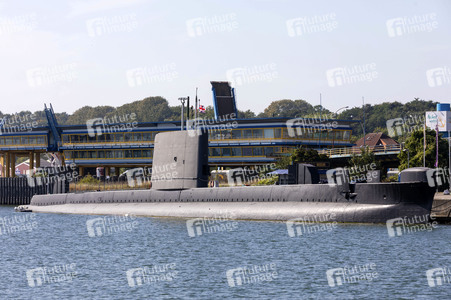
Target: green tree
pixel 287 109
pixel 414 147
pixel 300 155
pixel 360 164
pixel 248 114
pixel 151 109
pixel 80 116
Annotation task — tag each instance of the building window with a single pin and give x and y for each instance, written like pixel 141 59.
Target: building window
pixel 136 153
pixel 257 133
pixel 147 153
pixel 269 133
pixel 247 134
pixel 118 154
pixel 74 138
pixel 258 151
pixel 226 152
pixel 109 154
pixel 215 151
pixel 285 134
pixel 128 153
pixel 119 137
pixel 147 136
pixel 154 134
pixel 65 138
pixel 92 139
pixel 346 135
pixel 236 134
pixel 247 151
pixel 269 151
pixel 236 151
pixel 137 137
pixel 128 136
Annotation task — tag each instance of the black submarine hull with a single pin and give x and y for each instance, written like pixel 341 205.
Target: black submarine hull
pixel 364 203
pixel 184 193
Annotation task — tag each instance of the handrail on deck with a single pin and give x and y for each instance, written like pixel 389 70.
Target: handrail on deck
pixel 358 150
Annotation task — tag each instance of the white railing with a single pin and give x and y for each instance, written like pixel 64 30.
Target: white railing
pixel 358 150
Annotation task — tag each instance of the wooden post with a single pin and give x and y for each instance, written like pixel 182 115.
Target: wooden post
pixel 31 164
pixel 38 160
pixel 7 164
pixel 12 161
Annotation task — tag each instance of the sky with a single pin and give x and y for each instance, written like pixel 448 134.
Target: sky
pixel 112 52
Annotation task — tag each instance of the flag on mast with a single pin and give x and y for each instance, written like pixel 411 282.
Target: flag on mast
pixel 436 145
pixel 424 146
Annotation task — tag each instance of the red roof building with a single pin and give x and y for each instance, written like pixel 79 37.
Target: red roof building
pixel 376 139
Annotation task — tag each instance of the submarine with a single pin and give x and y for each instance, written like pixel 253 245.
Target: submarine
pixel 180 189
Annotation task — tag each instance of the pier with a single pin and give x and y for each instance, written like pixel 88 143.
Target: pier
pixel 441 208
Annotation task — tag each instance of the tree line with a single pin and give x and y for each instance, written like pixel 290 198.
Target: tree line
pixel 157 109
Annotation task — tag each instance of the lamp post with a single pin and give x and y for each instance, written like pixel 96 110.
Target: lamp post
pixel 408 157
pixel 335 114
pixel 183 99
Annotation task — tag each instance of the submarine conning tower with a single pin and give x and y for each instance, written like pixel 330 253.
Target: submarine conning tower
pixel 180 160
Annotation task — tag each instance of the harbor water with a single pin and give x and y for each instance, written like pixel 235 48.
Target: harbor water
pixel 54 256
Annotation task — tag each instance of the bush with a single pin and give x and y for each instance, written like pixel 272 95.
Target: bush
pixel 88 179
pixel 391 179
pixel 268 181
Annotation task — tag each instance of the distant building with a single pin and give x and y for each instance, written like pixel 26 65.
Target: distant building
pixel 376 139
pixel 23 167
